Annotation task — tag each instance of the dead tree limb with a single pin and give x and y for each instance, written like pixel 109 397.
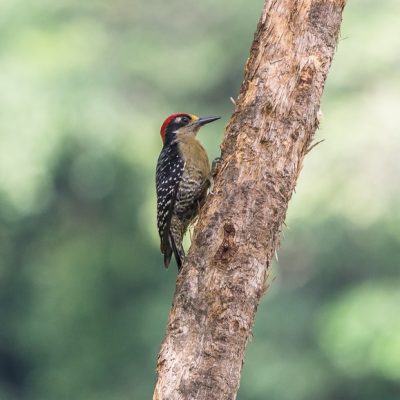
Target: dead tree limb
pixel 271 130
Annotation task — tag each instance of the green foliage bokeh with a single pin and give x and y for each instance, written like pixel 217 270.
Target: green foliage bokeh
pixel 84 299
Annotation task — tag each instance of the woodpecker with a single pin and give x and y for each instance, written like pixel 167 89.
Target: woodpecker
pixel 182 180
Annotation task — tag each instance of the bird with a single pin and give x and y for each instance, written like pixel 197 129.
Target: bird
pixel 182 180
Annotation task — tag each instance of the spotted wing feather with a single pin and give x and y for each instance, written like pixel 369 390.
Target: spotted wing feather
pixel 169 173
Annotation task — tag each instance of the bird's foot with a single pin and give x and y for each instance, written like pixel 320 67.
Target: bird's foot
pixel 214 166
pixel 214 170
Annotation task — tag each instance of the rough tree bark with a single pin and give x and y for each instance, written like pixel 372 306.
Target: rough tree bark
pixel 270 132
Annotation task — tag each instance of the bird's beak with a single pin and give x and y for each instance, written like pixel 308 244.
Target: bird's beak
pixel 205 120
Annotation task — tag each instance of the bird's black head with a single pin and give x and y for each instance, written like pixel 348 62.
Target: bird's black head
pixel 178 122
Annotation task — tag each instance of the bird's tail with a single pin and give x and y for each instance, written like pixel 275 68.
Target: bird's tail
pixel 178 251
pixel 173 245
pixel 167 255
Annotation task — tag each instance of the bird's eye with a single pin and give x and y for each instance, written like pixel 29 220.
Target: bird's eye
pixel 185 120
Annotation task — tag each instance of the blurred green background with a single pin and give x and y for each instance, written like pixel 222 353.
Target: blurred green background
pixel 84 298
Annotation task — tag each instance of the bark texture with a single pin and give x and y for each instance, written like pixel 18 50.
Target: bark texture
pixel 238 231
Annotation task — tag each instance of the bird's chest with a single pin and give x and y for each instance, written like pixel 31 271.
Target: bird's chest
pixel 197 165
pixel 194 183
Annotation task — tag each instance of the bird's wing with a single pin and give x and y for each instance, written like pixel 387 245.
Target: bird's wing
pixel 169 173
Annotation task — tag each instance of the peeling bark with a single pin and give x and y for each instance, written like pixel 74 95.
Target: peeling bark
pixel 266 139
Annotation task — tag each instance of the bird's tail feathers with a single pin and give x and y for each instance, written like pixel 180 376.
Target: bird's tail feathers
pixel 167 257
pixel 178 252
pixel 166 249
pixel 169 248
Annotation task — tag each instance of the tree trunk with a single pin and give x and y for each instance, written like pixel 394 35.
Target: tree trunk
pixel 271 130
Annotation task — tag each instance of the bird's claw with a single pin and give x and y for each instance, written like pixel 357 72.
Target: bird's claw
pixel 214 170
pixel 215 165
